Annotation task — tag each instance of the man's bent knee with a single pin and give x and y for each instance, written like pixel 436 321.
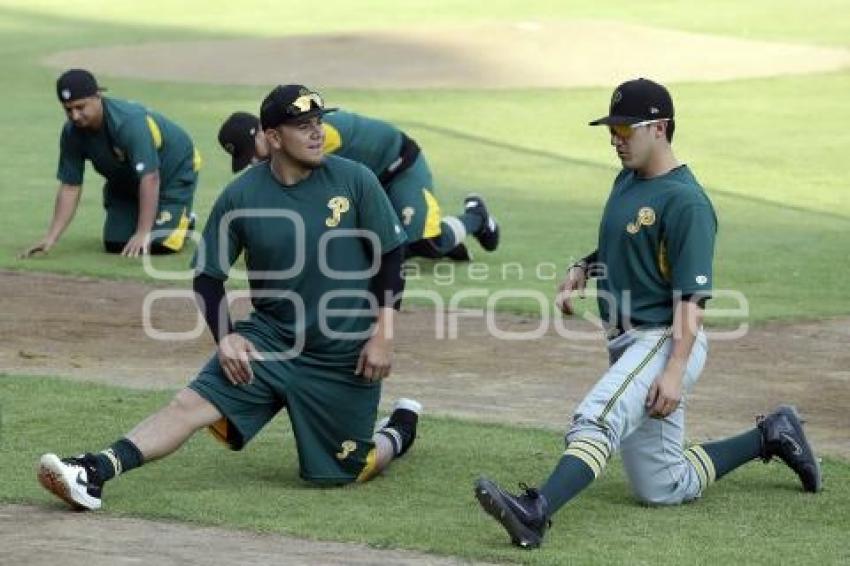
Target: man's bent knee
pixel 664 494
pixel 189 406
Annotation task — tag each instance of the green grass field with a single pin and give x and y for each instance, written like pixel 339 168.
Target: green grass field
pixel 424 501
pixel 769 151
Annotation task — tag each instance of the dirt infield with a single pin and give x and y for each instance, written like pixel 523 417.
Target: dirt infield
pixel 90 329
pixel 82 541
pixel 576 53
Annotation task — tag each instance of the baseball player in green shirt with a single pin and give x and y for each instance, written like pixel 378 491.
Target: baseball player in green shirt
pixel 654 272
pixel 401 168
pixel 149 163
pixel 323 251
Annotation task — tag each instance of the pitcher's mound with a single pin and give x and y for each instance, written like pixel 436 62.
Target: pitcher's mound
pixel 508 55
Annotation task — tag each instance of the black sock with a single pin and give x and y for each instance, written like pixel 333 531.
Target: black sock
pixel 121 457
pixel 582 463
pixel 472 221
pixel 729 453
pixel 401 430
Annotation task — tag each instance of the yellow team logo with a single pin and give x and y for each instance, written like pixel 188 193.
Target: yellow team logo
pixel 338 206
pixel 645 217
pixel 163 217
pixel 407 214
pixel 348 447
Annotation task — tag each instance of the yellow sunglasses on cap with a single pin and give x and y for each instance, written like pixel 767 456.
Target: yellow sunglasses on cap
pixel 625 131
pixel 304 103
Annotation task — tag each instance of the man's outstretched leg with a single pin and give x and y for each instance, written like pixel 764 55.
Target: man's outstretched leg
pixel 778 434
pixel 613 409
pixel 79 480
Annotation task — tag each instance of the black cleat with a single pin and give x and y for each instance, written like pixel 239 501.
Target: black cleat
pixel 525 517
pixel 783 436
pixel 459 253
pixel 488 235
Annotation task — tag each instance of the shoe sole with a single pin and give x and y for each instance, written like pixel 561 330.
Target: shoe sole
pixel 54 482
pixel 494 504
pixel 797 423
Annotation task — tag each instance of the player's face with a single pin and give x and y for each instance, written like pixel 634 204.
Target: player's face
pixel 301 142
pixel 85 113
pixel 635 146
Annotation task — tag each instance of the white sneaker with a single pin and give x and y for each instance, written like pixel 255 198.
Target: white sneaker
pixel 68 479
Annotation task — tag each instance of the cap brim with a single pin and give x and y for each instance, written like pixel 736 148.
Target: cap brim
pixel 617 121
pixel 240 162
pixel 310 114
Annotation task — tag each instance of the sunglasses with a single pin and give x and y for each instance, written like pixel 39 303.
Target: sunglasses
pixel 305 103
pixel 625 131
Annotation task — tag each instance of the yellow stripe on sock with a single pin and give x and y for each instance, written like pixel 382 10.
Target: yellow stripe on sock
pixel 706 461
pixel 113 459
pixel 703 480
pixel 370 470
pixel 589 452
pixel 587 458
pixel 703 465
pixel 600 447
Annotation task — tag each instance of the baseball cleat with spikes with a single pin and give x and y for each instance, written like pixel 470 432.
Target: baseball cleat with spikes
pixel 73 480
pixel 783 436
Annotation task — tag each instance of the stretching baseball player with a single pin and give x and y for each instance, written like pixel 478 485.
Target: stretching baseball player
pixel 654 272
pixel 319 340
pixel 401 168
pixel 148 161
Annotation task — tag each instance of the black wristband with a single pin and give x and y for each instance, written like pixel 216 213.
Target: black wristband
pixel 587 264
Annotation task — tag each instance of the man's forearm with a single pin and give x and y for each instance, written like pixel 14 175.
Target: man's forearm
pixel 67 199
pixel 148 202
pixel 384 325
pixel 687 320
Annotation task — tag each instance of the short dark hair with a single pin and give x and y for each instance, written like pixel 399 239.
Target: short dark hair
pixel 671 127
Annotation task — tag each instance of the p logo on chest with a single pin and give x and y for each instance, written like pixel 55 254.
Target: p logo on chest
pixel 645 217
pixel 338 206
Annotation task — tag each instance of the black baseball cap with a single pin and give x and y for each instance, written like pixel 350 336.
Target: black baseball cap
pixel 74 84
pixel 237 137
pixel 638 101
pixel 289 104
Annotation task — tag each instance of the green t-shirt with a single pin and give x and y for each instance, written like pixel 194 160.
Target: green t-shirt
pixel 374 143
pixel 270 223
pixel 132 142
pixel 656 241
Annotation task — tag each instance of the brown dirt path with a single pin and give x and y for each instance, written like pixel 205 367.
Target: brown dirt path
pixel 544 54
pixel 95 540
